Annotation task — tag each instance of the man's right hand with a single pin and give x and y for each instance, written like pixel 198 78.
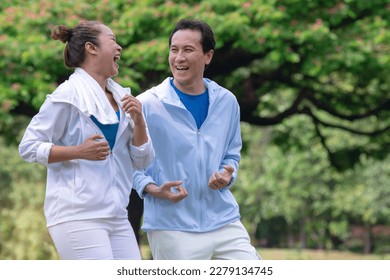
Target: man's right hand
pixel 165 192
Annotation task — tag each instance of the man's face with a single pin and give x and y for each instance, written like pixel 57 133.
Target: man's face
pixel 187 59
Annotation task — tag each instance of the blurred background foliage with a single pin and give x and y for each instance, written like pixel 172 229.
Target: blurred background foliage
pixel 312 79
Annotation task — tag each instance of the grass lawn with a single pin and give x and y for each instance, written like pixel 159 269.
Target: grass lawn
pixel 296 254
pixel 307 254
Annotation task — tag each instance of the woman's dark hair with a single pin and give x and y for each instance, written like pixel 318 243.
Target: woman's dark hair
pixel 75 40
pixel 207 40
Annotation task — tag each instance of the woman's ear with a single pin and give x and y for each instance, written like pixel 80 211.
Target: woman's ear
pixel 90 48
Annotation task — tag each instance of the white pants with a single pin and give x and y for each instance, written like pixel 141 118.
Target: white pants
pixel 230 242
pixel 97 239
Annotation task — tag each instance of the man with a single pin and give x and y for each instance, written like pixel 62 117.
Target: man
pixel 194 123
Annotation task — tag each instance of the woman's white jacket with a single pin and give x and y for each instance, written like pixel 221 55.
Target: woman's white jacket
pixel 82 189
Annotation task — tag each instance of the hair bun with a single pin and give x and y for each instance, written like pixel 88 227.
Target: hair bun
pixel 62 33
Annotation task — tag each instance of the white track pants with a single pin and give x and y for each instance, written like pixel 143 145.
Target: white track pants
pixel 98 239
pixel 230 242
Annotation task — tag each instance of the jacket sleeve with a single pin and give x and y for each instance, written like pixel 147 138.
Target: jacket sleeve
pixel 142 177
pixel 143 155
pixel 45 129
pixel 233 154
pixel 140 181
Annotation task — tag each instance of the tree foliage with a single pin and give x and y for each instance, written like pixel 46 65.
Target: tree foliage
pixel 312 74
pixel 326 60
pixel 23 232
pixel 294 198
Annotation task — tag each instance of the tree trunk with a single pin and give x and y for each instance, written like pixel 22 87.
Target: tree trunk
pixel 302 233
pixel 367 240
pixel 290 236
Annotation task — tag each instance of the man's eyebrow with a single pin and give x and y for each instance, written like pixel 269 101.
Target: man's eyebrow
pixel 183 46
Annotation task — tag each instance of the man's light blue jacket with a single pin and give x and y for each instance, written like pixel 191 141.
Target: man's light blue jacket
pixel 184 152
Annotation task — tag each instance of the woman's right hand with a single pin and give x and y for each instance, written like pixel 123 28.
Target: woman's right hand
pixel 93 149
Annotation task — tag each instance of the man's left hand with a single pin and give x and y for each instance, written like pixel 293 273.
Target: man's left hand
pixel 220 180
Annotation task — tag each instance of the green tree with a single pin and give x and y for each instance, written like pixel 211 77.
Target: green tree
pixel 365 198
pixel 312 74
pixel 327 60
pixel 293 198
pixel 23 232
pixel 294 185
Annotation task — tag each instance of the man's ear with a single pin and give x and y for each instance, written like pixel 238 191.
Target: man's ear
pixel 209 56
pixel 91 48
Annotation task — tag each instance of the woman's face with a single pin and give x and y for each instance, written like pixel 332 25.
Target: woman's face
pixel 108 52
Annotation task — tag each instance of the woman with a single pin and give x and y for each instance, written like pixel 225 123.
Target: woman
pixel 91 135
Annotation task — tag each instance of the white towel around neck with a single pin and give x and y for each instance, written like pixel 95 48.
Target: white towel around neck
pixel 93 99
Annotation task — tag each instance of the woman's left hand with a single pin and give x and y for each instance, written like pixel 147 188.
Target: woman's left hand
pixel 132 106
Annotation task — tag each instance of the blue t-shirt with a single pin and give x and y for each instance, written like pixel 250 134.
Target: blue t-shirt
pixel 109 130
pixel 198 105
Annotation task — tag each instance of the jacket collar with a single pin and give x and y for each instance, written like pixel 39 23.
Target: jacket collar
pixel 166 94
